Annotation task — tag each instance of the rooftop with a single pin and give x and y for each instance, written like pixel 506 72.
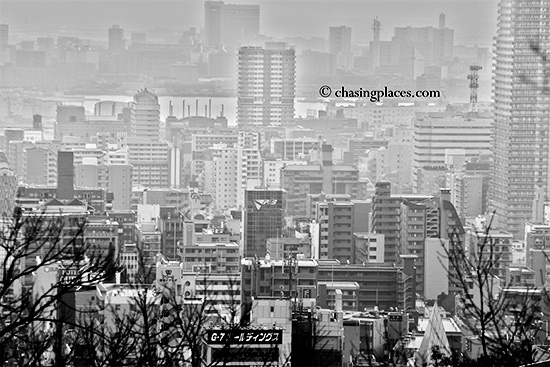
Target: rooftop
pixel 449 325
pixel 341 285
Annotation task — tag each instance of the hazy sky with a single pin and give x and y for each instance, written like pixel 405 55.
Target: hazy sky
pixel 474 21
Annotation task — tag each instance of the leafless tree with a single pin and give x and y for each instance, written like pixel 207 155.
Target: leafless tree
pixel 506 327
pixel 36 247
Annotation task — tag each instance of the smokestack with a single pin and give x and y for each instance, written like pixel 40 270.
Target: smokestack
pixel 197 107
pixel 113 109
pixel 210 108
pixel 222 111
pixel 188 110
pixel 183 113
pixel 170 109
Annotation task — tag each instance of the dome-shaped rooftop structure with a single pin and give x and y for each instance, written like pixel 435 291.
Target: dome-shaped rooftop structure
pixel 145 95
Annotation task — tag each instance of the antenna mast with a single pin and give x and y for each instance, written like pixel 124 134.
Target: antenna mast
pixel 474 85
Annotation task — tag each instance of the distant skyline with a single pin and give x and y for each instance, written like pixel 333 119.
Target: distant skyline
pixel 474 21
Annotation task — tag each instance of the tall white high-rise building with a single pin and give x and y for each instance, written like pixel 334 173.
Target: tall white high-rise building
pixel 149 161
pixel 230 172
pixel 266 85
pixel 145 116
pixel 521 111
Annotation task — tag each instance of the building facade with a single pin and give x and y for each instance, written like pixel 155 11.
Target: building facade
pixel 266 85
pixel 145 116
pixel 262 219
pixel 521 106
pixel 444 140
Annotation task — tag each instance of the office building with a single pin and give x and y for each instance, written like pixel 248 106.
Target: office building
pixel 427 228
pixel 145 116
pixel 116 178
pixel 537 249
pixel 228 172
pixel 520 150
pixel 334 228
pixel 380 285
pixel 263 215
pixel 324 177
pixel 394 163
pixel 230 25
pixel 210 258
pixel 268 277
pixel 40 163
pixel 381 116
pixel 369 247
pixel 443 141
pixel 8 187
pixel 339 47
pixel 284 247
pixel 149 160
pixel 272 171
pixel 294 148
pixel 149 243
pixel 266 85
pixel 116 39
pixel 483 242
pixel 469 188
pixel 201 142
pixel 339 39
pixel 435 45
pixel 410 222
pixel 109 120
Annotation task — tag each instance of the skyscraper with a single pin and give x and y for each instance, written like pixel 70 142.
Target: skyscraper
pixel 230 25
pixel 521 112
pixel 266 85
pixel 145 116
pixel 213 22
pixel 116 39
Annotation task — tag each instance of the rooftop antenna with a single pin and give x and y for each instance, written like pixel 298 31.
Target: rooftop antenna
pixel 474 85
pixel 376 29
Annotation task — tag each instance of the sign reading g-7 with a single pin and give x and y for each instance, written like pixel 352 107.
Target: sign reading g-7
pixel 244 337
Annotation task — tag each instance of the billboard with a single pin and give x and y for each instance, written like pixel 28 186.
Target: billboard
pixel 244 337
